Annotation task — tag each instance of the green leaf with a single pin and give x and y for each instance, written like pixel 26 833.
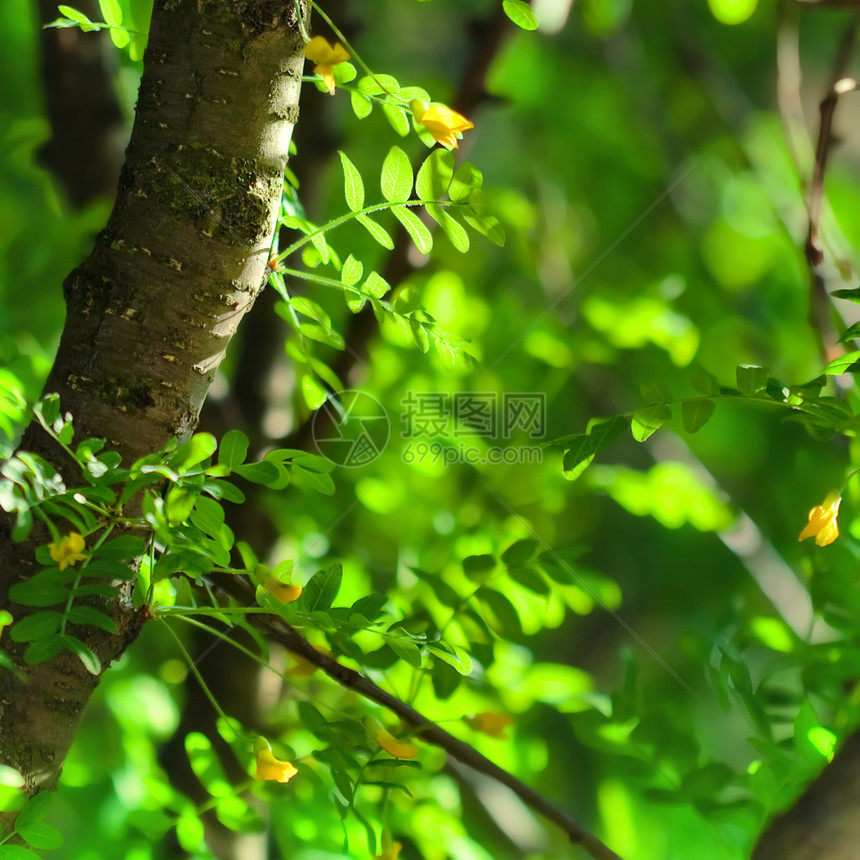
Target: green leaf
pixel 353 187
pixel 233 449
pixel 852 333
pixel 46 588
pixel 705 382
pixel 320 482
pixel 521 14
pixel 351 271
pixel 487 225
pixel 376 285
pixel 17 852
pixel 35 810
pixel 208 516
pixel 603 433
pixel 120 38
pixel 405 649
pixel 396 179
pixel 578 457
pixel 478 567
pixel 452 228
pixel 502 618
pixel 87 656
pixel 44 649
pixel 529 577
pixel 39 835
pixel 259 473
pixel 751 378
pixel 371 606
pixel 696 413
pixel 36 626
pixel 655 392
pixel 848 363
pixel 206 766
pixel 108 568
pixel 313 720
pixel 848 295
pixel 434 175
pixel 361 104
pixel 398 118
pixel 69 12
pixel 123 548
pixel 419 334
pixel 379 233
pixel 178 504
pixel 314 331
pixel 467 179
pixel 454 656
pixel 92 617
pixel 112 12
pixel 198 448
pixel 648 420
pixel 417 229
pixel 321 590
pixel 520 552
pixel 444 593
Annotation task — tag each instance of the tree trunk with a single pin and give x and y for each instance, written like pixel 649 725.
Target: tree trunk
pixel 824 824
pixel 151 311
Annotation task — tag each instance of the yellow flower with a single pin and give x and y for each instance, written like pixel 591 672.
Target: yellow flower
pixel 390 853
pixel 444 124
pixel 490 724
pixel 269 767
pixel 326 56
pixel 399 749
pixel 68 551
pixel 286 592
pixel 822 521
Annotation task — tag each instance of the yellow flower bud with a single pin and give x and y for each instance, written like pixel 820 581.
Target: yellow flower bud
pixel 444 124
pixel 822 521
pixel 394 747
pixel 270 768
pixel 490 724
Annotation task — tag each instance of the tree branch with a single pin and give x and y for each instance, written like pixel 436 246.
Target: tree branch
pixel 286 635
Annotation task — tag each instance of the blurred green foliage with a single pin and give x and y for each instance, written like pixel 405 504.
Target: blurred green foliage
pixel 677 665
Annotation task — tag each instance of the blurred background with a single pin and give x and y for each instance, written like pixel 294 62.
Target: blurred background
pixel 665 644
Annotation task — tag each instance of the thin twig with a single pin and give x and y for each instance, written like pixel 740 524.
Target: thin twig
pixel 283 633
pixel 839 86
pixel 280 631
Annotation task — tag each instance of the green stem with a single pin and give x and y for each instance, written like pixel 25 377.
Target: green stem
pixel 355 55
pixel 205 687
pixel 79 575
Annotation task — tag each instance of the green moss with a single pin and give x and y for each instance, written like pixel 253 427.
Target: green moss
pixel 220 194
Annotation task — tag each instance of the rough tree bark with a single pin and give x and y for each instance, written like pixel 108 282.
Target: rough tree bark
pixel 151 311
pixel 824 824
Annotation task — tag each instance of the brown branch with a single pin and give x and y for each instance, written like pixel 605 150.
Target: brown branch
pixel 282 632
pixel 285 634
pixel 839 86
